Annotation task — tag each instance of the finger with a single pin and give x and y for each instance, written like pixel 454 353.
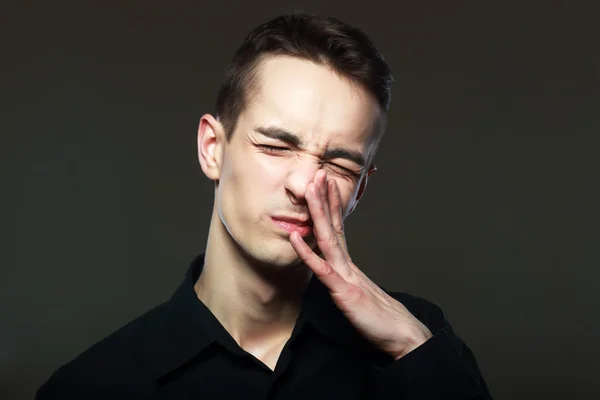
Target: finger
pixel 336 212
pixel 321 182
pixel 327 240
pixel 321 268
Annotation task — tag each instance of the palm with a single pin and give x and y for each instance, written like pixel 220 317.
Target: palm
pixel 380 318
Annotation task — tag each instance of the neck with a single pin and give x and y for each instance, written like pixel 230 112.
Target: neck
pixel 255 302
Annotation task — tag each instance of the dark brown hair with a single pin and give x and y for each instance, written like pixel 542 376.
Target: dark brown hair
pixel 323 40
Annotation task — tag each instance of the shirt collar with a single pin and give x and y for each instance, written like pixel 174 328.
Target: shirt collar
pixel 186 326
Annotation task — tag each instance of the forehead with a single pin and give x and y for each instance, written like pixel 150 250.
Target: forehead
pixel 312 100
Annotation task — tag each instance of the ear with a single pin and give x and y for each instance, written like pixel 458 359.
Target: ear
pixel 211 136
pixel 362 185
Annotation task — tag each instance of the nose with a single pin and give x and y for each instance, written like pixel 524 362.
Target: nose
pixel 300 175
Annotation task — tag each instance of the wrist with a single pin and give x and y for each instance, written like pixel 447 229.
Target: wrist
pixel 413 340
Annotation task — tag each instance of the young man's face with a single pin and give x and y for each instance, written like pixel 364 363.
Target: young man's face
pixel 258 185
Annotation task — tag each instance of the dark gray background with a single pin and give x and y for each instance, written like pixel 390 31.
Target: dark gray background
pixel 485 201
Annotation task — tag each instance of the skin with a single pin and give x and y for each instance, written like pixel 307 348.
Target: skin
pixel 255 273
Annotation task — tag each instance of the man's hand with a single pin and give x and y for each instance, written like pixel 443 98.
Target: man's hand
pixel 381 319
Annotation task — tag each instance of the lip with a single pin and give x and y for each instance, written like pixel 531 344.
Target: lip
pixel 297 221
pixel 304 228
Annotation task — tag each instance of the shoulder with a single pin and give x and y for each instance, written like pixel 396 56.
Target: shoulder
pixel 456 371
pixel 115 362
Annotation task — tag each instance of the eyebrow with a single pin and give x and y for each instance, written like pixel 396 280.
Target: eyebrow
pixel 294 140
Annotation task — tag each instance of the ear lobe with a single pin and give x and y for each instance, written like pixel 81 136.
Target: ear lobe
pixel 362 186
pixel 210 140
pixel 372 170
pixel 363 182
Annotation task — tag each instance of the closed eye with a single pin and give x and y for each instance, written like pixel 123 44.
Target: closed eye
pixel 277 149
pixel 343 169
pixel 272 148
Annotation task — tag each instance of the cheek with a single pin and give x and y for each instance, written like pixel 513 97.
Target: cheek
pixel 269 171
pixel 348 192
pixel 251 178
pixel 346 197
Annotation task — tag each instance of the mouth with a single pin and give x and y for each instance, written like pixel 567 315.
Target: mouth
pixel 290 225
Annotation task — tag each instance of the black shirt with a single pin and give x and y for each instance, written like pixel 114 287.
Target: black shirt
pixel 179 350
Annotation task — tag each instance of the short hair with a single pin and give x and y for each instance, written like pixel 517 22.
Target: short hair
pixel 320 39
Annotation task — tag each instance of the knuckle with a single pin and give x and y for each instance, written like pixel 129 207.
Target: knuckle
pixel 356 293
pixel 326 269
pixel 332 239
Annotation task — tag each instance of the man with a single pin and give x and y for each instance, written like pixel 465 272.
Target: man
pixel 275 308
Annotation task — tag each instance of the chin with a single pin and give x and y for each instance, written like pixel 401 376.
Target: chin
pixel 278 256
pixel 282 257
pixel 267 250
pixel 281 253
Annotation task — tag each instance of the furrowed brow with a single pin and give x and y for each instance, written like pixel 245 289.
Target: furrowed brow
pixel 280 134
pixel 350 155
pixel 294 140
